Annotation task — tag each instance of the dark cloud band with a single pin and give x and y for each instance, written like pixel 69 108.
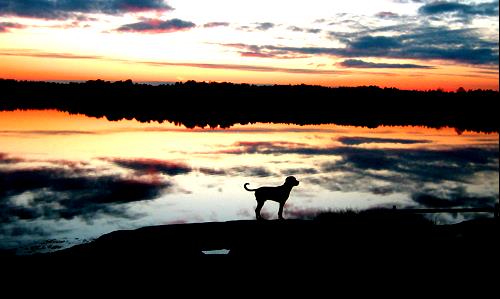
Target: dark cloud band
pixel 7 26
pixel 461 9
pixel 157 26
pixel 47 9
pixel 216 24
pixel 464 46
pixel 264 26
pixel 357 63
pixel 240 67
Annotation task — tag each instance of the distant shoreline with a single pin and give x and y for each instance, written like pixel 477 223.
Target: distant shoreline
pixel 199 104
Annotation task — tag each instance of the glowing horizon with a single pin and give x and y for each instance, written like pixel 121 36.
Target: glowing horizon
pixel 404 44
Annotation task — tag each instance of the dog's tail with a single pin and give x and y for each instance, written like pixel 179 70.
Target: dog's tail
pixel 245 186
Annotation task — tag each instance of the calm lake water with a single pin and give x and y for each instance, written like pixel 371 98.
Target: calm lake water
pixel 66 179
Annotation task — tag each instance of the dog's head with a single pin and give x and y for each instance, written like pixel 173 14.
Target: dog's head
pixel 292 181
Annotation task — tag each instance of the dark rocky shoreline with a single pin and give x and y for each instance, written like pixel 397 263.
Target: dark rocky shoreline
pixel 359 254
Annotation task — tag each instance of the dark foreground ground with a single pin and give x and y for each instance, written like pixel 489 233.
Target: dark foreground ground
pixel 329 257
pixel 298 241
pixel 381 248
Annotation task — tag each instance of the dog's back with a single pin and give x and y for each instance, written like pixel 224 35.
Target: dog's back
pixel 277 193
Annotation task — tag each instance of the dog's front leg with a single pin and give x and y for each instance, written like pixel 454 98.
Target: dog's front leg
pixel 280 211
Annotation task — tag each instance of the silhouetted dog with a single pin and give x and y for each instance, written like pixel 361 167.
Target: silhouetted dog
pixel 279 194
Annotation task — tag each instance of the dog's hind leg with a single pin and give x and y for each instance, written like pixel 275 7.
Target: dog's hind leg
pixel 260 204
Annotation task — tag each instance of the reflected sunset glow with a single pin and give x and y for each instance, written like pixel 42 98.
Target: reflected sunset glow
pixel 179 175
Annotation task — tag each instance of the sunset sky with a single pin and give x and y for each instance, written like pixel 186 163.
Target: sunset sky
pixel 410 44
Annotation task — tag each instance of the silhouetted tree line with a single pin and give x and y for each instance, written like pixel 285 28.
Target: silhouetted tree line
pixel 225 104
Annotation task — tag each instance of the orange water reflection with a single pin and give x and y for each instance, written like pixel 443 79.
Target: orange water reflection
pixel 185 175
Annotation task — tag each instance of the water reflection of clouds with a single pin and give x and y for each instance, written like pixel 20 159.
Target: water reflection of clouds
pixel 151 166
pixel 68 190
pixel 454 197
pixel 298 171
pixel 384 171
pixel 59 195
pixel 8 159
pixel 33 133
pixel 342 168
pixel 249 171
pixel 364 140
pixel 176 129
pixel 81 190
